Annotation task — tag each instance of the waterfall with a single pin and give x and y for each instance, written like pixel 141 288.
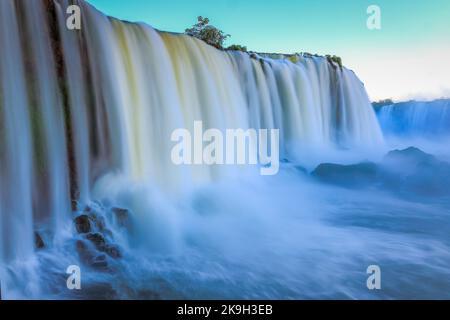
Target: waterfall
pixel 416 119
pixel 76 106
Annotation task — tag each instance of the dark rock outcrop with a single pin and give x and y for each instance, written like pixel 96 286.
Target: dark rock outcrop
pixel 95 244
pixel 414 171
pixel 409 156
pixel 97 240
pixel 355 175
pixel 408 172
pixel 89 221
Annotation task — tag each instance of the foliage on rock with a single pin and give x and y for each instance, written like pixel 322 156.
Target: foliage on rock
pixel 208 33
pixel 237 47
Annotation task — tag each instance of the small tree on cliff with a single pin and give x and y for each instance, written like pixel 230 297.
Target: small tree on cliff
pixel 204 31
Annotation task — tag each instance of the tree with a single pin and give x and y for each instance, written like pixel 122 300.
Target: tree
pixel 204 31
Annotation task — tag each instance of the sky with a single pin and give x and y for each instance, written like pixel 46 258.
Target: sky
pixel 408 58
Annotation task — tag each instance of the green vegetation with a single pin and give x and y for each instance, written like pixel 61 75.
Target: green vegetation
pixel 381 103
pixel 204 31
pixel 215 37
pixel 294 58
pixel 237 47
pixel 334 59
pixel 310 55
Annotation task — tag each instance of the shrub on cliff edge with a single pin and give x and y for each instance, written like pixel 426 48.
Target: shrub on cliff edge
pixel 204 31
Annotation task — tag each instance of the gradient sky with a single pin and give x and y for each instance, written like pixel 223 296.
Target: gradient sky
pixel 408 58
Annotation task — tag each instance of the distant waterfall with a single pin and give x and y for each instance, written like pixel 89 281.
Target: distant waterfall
pixel 77 105
pixel 415 118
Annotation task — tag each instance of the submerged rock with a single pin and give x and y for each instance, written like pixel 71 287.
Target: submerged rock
pixel 100 262
pixel 121 217
pixel 84 252
pixel 355 175
pixel 38 242
pixel 89 221
pixel 97 240
pixel 91 257
pixel 301 169
pixel 408 172
pixel 102 245
pixel 98 220
pixel 113 251
pixel 412 171
pixel 83 224
pixel 411 155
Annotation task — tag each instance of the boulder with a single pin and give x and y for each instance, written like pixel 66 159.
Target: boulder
pixel 429 179
pixel 83 224
pixel 86 255
pixel 301 169
pixel 89 221
pixel 100 243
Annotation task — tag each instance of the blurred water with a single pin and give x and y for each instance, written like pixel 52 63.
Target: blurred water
pixel 86 120
pixel 286 237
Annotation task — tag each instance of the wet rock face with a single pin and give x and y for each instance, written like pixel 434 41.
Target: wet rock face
pixel 86 255
pixel 89 221
pixel 100 262
pixel 83 224
pixel 97 240
pixel 410 156
pixel 96 245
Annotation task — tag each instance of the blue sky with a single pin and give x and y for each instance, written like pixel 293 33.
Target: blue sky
pixel 405 59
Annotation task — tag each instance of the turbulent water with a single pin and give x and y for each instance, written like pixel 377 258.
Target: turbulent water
pixel 86 118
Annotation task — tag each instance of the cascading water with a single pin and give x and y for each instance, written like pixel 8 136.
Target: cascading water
pixel 416 118
pixel 84 112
